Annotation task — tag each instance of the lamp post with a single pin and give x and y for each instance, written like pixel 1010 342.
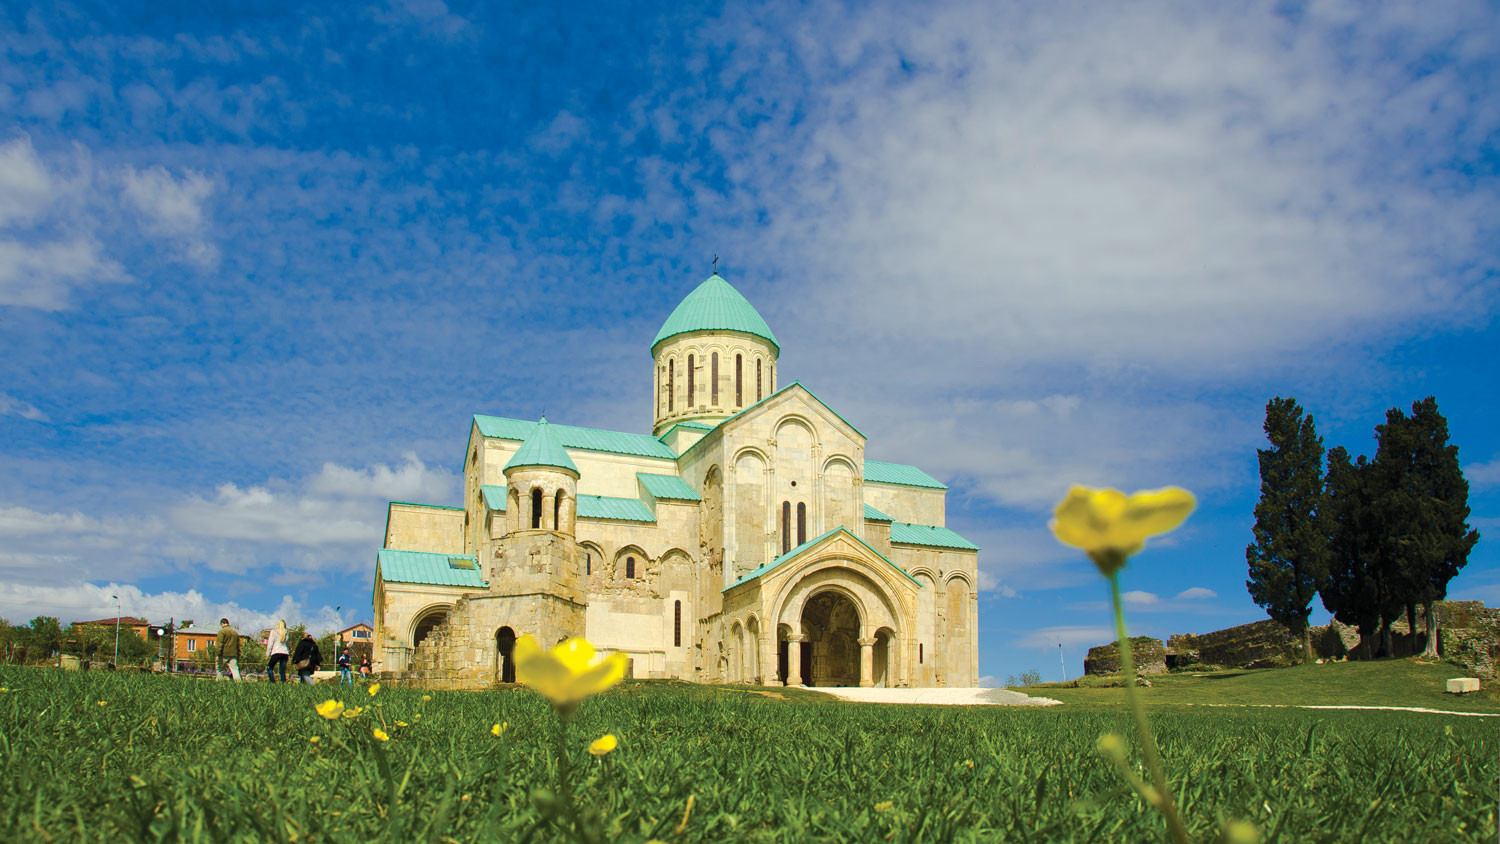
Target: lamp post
pixel 117 630
pixel 1062 662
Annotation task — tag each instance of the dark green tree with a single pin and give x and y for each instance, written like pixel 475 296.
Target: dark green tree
pixel 1424 511
pixel 44 638
pixel 1289 558
pixel 1354 589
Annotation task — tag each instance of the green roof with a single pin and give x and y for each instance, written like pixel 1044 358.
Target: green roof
pixel 669 487
pixel 494 497
pixel 899 473
pixel 933 537
pixel 620 509
pixel 588 439
pixel 426 567
pixel 760 570
pixel 542 448
pixel 714 306
pixel 875 515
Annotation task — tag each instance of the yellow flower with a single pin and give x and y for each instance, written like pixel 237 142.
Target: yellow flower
pixel 330 709
pixel 380 735
pixel 374 688
pixel 426 697
pixel 314 739
pixel 1111 526
pixel 352 712
pixel 604 744
pixel 499 729
pixel 101 703
pixel 567 673
pixel 400 723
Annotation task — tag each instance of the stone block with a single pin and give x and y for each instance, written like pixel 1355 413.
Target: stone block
pixel 1461 685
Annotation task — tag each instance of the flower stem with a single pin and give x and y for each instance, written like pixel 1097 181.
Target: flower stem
pixel 1148 744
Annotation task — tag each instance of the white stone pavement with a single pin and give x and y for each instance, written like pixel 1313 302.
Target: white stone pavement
pixel 939 697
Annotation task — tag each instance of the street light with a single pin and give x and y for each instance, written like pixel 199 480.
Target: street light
pixel 117 630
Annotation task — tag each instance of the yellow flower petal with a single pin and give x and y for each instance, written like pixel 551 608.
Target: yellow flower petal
pixel 314 739
pixel 101 703
pixel 352 712
pixel 426 697
pixel 380 735
pixel 604 744
pixel 375 687
pixel 330 709
pixel 566 674
pixel 400 723
pixel 499 729
pixel 1111 526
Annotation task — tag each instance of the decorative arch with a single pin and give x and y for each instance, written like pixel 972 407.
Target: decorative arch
pixel 427 619
pixel 835 459
pixel 959 575
pixel 595 556
pixel 641 562
pixel 798 419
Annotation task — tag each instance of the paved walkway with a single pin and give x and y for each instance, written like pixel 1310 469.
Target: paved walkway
pixel 1421 709
pixel 940 697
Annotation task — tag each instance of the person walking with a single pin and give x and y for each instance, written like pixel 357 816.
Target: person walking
pixel 229 652
pixel 346 664
pixel 307 658
pixel 276 651
pixel 364 666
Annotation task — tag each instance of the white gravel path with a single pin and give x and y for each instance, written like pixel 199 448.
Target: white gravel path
pixel 939 697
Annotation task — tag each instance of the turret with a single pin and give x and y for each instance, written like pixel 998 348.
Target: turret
pixel 542 485
pixel 713 357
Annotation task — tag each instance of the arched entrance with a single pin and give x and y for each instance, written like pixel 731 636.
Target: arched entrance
pixel 830 653
pixel 505 643
pixel 883 661
pixel 427 623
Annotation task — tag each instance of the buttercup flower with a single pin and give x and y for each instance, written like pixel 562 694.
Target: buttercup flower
pixel 330 709
pixel 380 735
pixel 1111 526
pixel 567 673
pixel 604 744
pixel 400 723
pixel 426 697
pixel 101 703
pixel 374 688
pixel 353 712
pixel 314 739
pixel 499 729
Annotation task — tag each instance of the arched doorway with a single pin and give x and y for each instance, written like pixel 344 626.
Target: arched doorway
pixel 505 643
pixel 830 653
pixel 427 623
pixel 883 662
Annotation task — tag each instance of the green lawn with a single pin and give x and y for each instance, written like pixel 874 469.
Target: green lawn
pixel 172 759
pixel 1391 682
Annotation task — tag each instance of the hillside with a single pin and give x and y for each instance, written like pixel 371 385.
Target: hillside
pixel 1388 682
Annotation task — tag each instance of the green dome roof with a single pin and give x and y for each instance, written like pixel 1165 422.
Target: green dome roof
pixel 715 306
pixel 542 448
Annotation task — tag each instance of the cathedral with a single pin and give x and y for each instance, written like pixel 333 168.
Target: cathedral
pixel 746 539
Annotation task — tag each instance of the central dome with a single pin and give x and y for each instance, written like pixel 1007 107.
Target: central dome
pixel 715 306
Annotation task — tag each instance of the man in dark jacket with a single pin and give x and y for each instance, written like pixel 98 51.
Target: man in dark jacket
pixel 307 658
pixel 229 652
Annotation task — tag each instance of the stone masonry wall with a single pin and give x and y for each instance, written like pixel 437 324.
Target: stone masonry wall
pixel 1150 657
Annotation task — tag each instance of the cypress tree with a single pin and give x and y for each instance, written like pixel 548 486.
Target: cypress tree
pixel 1289 558
pixel 1352 589
pixel 1426 537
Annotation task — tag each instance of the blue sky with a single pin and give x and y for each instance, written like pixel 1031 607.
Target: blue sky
pixel 258 268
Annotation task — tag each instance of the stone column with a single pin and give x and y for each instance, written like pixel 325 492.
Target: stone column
pixel 794 659
pixel 866 662
pixel 549 520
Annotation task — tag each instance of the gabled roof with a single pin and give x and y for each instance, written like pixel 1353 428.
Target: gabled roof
pixel 899 473
pixel 125 621
pixel 929 535
pixel 669 487
pixel 588 439
pixel 494 497
pixel 737 414
pixel 619 509
pixel 428 567
pixel 364 624
pixel 875 515
pixel 714 305
pixel 542 448
pixel 795 552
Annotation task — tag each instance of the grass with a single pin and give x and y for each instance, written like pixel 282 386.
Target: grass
pixel 1388 682
pixel 173 759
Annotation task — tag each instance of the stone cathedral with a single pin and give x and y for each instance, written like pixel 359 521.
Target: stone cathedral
pixel 746 539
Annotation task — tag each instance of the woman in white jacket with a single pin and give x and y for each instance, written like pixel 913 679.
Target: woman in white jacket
pixel 276 651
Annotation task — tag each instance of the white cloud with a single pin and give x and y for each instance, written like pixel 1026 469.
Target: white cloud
pixel 16 407
pixel 413 480
pixel 173 208
pixel 42 275
pixel 1196 593
pixel 1138 598
pixel 1483 475
pixel 1070 636
pixel 78 601
pixel 25 187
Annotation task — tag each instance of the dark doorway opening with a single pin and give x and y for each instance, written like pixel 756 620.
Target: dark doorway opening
pixel 505 643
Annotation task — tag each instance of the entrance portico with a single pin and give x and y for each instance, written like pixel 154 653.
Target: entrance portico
pixel 837 608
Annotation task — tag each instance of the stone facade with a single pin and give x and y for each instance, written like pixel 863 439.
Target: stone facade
pixel 736 543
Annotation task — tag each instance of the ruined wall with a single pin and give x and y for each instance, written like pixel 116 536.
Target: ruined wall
pixel 1150 657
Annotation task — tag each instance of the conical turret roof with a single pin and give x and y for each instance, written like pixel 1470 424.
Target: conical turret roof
pixel 715 306
pixel 541 448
